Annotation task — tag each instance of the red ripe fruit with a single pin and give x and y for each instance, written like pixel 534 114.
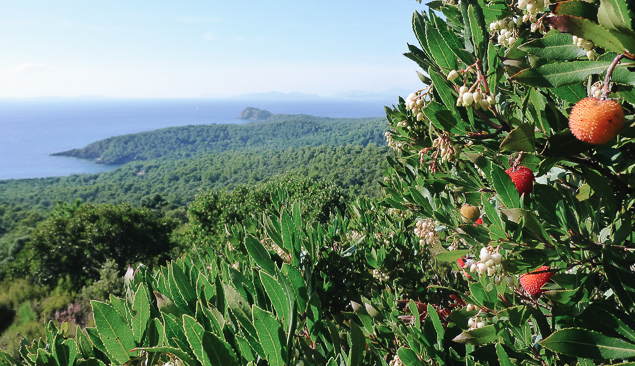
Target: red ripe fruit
pixel 596 121
pixel 532 282
pixel 478 222
pixel 523 179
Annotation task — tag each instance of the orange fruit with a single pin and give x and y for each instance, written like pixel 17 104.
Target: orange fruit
pixel 596 121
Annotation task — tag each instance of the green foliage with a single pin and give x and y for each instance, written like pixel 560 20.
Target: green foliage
pixel 279 132
pixel 75 244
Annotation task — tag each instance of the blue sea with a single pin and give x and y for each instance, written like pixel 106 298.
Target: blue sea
pixel 31 129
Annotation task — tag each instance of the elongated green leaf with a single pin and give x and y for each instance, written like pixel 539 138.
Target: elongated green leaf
pixel 615 15
pixel 241 310
pixel 174 333
pixel 260 255
pixel 563 73
pixel 452 41
pixel 554 46
pixel 477 336
pixel 270 335
pixel 194 333
pixel 571 93
pixel 83 343
pixel 445 92
pixel 114 331
pixel 608 321
pixel 436 322
pixel 505 187
pixel 408 357
pixel 142 306
pixel 358 345
pixel 584 343
pixel 95 339
pixel 502 356
pixel 477 26
pixel 451 256
pixel 621 278
pixel 610 40
pixel 443 56
pixel 7 360
pixel 278 297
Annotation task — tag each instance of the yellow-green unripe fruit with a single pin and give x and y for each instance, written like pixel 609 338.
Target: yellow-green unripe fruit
pixel 470 213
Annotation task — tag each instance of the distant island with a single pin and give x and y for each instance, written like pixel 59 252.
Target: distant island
pixel 252 113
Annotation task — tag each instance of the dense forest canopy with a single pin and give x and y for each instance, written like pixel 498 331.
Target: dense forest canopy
pixel 278 132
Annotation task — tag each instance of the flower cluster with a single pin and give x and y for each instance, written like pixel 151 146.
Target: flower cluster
pixel 596 90
pixel 395 145
pixel 490 259
pixel 586 45
pixel 456 242
pixel 507 30
pixel 415 102
pixel 380 275
pixel 448 151
pixel 476 98
pixel 426 231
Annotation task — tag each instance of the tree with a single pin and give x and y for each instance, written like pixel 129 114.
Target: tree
pixel 77 243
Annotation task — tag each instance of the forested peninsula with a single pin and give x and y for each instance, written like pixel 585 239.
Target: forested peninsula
pixel 277 132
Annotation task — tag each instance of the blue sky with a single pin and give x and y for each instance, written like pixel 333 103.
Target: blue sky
pixel 195 48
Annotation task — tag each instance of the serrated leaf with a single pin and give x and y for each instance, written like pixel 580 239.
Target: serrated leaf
pixel 562 73
pixel 260 255
pixel 442 118
pixel 477 27
pixel 571 93
pixel 443 56
pixel 612 41
pixel 141 306
pixel 277 296
pixel 408 357
pixel 114 331
pixel 451 256
pixel 181 289
pixel 584 343
pixel 270 335
pixel 620 276
pixel 7 360
pixel 358 345
pixel 615 15
pixel 477 336
pixel 505 187
pixel 578 8
pixel 503 358
pixel 521 138
pixel 554 46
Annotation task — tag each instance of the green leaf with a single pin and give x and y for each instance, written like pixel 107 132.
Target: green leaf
pixel 620 276
pixel 436 323
pixel 358 345
pixel 554 46
pixel 477 27
pixel 174 332
pixel 615 15
pixel 299 286
pixel 260 255
pixel 562 73
pixel 408 357
pixel 442 118
pixel 610 40
pixel 608 321
pixel 290 241
pixel 571 93
pixel 578 8
pixel 502 356
pixel 521 138
pixel 451 256
pixel 445 92
pixel 142 306
pixel 584 343
pixel 114 331
pixel 270 335
pixel 7 360
pixel 194 333
pixel 505 187
pixel 443 56
pixel 477 336
pixel 278 297
pixel 181 289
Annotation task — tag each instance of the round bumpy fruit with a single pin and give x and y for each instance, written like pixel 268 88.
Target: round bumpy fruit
pixel 523 179
pixel 596 121
pixel 533 281
pixel 470 213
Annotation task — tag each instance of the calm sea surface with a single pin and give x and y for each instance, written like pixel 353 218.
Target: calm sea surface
pixel 30 130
